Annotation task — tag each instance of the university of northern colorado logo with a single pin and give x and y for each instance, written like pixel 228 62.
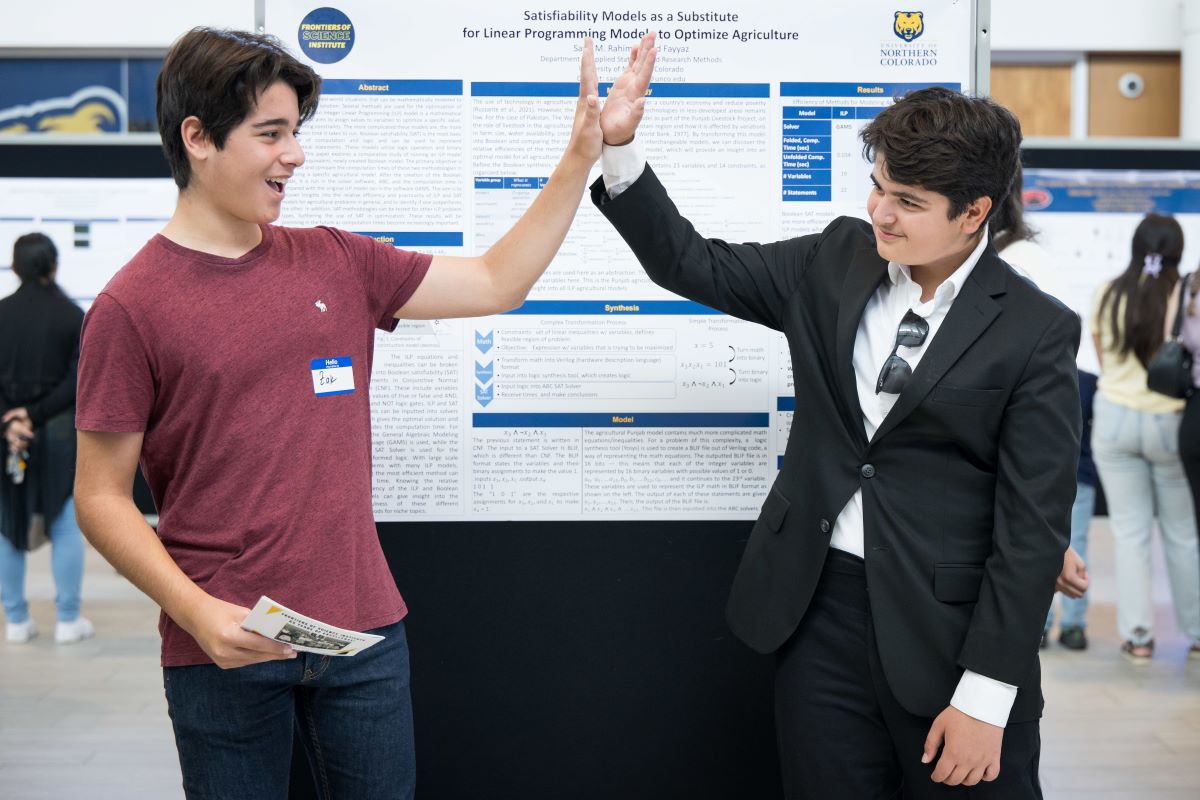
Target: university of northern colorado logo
pixel 909 25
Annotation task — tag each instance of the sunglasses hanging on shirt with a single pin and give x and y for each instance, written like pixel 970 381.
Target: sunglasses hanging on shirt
pixel 896 371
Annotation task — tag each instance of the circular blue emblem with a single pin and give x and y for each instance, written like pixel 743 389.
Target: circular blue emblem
pixel 326 35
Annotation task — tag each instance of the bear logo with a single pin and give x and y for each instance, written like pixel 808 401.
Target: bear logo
pixel 909 25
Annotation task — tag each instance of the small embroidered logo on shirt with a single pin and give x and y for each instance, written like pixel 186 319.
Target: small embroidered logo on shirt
pixel 320 304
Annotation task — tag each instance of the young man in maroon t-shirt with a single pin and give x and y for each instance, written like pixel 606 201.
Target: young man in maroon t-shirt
pixel 232 358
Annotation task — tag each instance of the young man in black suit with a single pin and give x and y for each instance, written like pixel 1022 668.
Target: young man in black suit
pixel 905 558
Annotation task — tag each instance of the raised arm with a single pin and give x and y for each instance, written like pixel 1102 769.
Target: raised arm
pixel 112 523
pixel 626 101
pixel 499 280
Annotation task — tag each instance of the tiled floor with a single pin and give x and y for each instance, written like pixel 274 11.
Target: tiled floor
pixel 89 720
pixel 86 720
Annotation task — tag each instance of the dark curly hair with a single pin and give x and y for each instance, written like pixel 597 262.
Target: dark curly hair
pixel 217 76
pixel 946 142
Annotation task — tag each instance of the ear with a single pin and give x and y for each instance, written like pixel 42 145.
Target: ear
pixel 921 15
pixel 897 15
pixel 196 141
pixel 974 215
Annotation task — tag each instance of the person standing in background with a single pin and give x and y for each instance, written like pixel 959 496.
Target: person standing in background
pixel 39 353
pixel 1072 627
pixel 1189 426
pixel 1016 243
pixel 1135 440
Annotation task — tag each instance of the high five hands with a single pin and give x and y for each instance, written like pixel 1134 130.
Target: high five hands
pixel 622 109
pixel 627 98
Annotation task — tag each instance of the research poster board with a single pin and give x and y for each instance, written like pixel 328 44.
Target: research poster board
pixel 1084 204
pixel 97 224
pixel 603 397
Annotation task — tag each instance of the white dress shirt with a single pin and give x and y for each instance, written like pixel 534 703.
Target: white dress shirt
pixel 978 696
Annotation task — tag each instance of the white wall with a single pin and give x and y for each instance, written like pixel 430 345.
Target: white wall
pixel 116 23
pixel 1045 25
pixel 1088 25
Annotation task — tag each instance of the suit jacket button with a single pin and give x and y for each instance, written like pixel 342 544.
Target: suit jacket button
pixel 825 526
pixel 867 471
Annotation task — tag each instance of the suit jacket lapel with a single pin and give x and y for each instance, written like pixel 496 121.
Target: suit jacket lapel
pixel 866 270
pixel 972 312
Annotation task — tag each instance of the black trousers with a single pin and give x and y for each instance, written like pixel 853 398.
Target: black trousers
pixel 841 732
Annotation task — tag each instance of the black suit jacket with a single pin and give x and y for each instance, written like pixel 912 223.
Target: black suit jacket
pixel 967 484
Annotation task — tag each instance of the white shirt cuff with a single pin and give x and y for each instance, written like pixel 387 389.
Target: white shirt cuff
pixel 984 698
pixel 621 165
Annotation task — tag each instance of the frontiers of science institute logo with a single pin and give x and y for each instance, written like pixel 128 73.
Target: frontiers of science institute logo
pixel 326 35
pixel 908 26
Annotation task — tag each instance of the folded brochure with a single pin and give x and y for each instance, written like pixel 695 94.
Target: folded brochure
pixel 305 634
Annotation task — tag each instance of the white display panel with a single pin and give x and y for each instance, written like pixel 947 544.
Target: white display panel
pixel 97 224
pixel 1085 219
pixel 603 397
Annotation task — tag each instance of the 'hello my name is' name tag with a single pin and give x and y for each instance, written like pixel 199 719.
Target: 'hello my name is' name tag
pixel 332 376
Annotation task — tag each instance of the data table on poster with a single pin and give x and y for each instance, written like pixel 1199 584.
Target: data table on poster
pixel 821 152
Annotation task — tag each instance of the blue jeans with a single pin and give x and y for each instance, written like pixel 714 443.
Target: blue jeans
pixel 1137 458
pixel 1073 610
pixel 234 728
pixel 66 564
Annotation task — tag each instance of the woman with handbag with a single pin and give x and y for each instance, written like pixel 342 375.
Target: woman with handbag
pixel 39 353
pixel 1135 440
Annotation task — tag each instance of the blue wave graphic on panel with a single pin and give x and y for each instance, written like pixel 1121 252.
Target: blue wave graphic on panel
pixel 92 109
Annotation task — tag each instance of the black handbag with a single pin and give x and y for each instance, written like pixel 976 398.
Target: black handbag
pixel 1170 371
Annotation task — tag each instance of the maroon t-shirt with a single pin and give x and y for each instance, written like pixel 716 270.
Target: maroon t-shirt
pixel 263 486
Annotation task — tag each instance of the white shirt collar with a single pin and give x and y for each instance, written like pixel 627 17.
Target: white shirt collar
pixel 950 287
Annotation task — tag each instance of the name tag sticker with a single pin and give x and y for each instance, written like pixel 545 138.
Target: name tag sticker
pixel 332 376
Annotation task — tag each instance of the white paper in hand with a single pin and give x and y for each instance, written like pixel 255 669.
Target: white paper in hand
pixel 305 634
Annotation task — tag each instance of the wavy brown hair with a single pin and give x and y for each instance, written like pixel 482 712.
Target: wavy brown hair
pixel 947 142
pixel 217 76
